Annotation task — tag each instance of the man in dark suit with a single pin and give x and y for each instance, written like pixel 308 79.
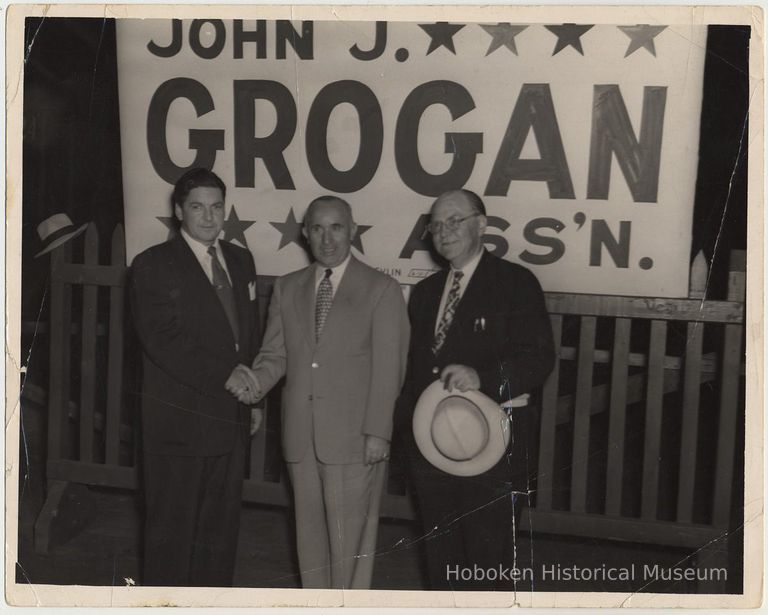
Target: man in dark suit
pixel 479 325
pixel 194 306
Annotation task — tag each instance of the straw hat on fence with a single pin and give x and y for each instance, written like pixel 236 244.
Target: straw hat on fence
pixel 55 231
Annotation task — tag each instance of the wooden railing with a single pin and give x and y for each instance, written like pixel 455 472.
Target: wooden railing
pixel 91 437
pixel 656 375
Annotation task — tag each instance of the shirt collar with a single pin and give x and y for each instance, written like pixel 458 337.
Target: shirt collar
pixel 471 265
pixel 337 271
pixel 199 249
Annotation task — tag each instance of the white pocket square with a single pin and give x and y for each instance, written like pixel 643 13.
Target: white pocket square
pixel 252 290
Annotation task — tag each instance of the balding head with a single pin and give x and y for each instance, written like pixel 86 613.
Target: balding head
pixel 472 199
pixel 330 229
pixel 326 200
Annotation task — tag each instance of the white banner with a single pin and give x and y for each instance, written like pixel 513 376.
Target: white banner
pixel 581 139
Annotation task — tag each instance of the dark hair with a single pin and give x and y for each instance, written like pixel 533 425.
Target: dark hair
pixel 475 202
pixel 197 177
pixel 327 198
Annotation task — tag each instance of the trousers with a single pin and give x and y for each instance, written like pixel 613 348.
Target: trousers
pixel 337 521
pixel 192 518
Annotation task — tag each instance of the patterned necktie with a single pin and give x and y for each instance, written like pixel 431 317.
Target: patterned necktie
pixel 224 291
pixel 323 302
pixel 450 309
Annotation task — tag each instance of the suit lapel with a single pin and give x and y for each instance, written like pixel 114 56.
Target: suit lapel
pixel 201 288
pixel 474 293
pixel 305 303
pixel 190 268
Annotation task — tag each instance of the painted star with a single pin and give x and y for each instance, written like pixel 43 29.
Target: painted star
pixel 290 231
pixel 568 34
pixel 170 223
pixel 234 228
pixel 641 35
pixel 441 35
pixel 503 34
pixel 356 242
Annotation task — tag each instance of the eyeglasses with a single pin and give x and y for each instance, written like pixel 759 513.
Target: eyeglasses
pixel 451 224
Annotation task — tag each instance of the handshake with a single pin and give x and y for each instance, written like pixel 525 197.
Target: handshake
pixel 244 385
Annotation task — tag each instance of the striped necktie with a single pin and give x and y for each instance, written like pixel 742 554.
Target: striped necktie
pixel 450 309
pixel 323 302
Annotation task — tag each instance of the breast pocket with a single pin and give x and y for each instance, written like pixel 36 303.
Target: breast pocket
pixel 487 329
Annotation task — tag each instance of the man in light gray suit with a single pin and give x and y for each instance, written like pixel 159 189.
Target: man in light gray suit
pixel 338 330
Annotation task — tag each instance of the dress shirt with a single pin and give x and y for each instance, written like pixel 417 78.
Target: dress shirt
pixel 200 250
pixel 468 270
pixel 336 275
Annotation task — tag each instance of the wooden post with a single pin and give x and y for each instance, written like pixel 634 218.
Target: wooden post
pixel 548 427
pixel 691 391
pixel 715 555
pixel 60 317
pixel 88 349
pixel 729 392
pixel 697 283
pixel 618 414
pixel 690 423
pixel 654 404
pixel 58 395
pixel 115 356
pixel 582 414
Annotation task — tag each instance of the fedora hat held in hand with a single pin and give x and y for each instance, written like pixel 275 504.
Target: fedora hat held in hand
pixel 464 434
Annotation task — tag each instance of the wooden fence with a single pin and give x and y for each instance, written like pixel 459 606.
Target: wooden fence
pixel 623 361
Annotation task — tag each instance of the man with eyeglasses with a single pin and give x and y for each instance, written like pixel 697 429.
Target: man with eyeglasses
pixel 481 324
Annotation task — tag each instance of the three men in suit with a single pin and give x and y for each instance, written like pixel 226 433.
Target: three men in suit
pixel 194 307
pixel 338 331
pixel 480 325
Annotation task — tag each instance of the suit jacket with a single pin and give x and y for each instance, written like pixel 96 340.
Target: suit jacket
pixel 189 348
pixel 500 328
pixel 344 387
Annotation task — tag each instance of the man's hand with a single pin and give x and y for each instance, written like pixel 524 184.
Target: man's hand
pixel 253 392
pixel 244 385
pixel 257 417
pixel 376 450
pixel 461 377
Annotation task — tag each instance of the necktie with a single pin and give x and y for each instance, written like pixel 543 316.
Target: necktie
pixel 323 302
pixel 450 308
pixel 224 291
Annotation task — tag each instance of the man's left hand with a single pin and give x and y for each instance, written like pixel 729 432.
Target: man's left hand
pixel 376 449
pixel 461 377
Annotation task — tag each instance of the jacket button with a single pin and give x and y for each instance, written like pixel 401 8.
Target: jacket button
pixel 315 365
pixel 310 398
pixel 435 370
